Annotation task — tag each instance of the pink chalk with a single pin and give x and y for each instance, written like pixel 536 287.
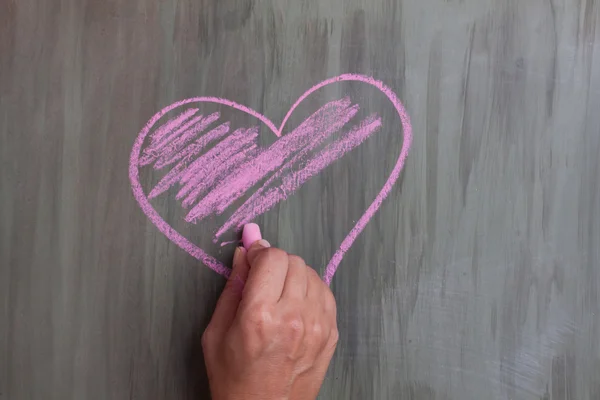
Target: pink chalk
pixel 250 234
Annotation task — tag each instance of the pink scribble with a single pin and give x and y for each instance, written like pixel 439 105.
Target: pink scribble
pixel 203 176
pixel 284 160
pixel 204 165
pixel 263 200
pixel 313 131
pixel 173 151
pixel 171 125
pixel 198 146
pixel 154 151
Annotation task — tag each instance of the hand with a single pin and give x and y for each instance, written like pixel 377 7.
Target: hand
pixel 274 330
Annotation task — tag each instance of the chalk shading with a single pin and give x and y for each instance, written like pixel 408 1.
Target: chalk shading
pixel 173 151
pixel 171 143
pixel 226 159
pixel 171 125
pixel 208 166
pixel 327 120
pixel 289 168
pixel 188 154
pixel 267 197
pixel 155 150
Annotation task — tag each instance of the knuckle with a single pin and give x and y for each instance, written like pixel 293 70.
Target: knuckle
pixel 334 336
pixel 316 331
pixel 296 260
pixel 315 279
pixel 312 274
pixel 294 325
pixel 330 304
pixel 257 319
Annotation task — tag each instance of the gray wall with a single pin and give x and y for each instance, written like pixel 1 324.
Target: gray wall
pixel 478 279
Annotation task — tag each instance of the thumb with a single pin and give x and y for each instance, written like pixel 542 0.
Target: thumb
pixel 229 300
pixel 255 249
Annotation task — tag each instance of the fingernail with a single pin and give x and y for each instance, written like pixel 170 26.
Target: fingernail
pixel 264 243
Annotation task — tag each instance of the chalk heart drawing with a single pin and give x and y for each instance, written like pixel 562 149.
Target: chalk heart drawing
pixel 213 167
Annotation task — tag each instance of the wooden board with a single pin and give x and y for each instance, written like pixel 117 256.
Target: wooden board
pixel 479 277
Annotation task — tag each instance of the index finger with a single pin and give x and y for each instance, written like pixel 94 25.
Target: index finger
pixel 231 296
pixel 266 278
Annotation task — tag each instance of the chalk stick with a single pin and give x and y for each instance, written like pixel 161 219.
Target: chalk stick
pixel 250 234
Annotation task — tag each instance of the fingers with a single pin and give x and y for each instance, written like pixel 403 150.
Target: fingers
pixel 256 248
pixel 314 287
pixel 229 300
pixel 321 300
pixel 268 270
pixel 296 281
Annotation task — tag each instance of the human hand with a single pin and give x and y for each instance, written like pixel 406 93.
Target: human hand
pixel 274 329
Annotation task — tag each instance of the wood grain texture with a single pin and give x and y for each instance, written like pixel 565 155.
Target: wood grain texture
pixel 478 279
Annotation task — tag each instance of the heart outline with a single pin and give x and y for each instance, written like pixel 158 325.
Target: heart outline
pixel 211 262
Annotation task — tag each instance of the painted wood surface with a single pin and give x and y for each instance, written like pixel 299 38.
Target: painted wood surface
pixel 479 278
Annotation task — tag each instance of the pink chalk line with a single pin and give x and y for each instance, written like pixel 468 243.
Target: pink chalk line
pixel 235 164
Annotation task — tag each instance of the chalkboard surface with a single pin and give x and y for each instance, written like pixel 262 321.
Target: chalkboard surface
pixel 468 270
